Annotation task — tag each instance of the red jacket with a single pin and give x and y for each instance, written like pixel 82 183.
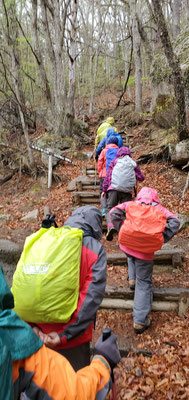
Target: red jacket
pixel 101 166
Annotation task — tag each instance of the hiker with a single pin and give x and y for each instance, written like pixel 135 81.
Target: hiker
pixel 103 142
pixel 102 130
pixel 28 366
pixel 120 180
pixel 72 339
pixel 143 226
pixel 106 156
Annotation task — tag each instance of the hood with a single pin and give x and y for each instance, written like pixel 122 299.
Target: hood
pixel 87 218
pixel 148 195
pixel 123 151
pixel 110 132
pixel 110 120
pixel 16 335
pixel 112 139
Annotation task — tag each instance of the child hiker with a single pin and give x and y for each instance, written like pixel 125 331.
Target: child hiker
pixel 106 156
pixel 102 130
pixel 119 182
pixel 103 142
pixel 143 226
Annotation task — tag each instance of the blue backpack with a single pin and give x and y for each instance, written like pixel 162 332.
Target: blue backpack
pixel 110 155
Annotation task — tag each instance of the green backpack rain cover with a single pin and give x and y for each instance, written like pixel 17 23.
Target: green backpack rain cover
pixel 46 280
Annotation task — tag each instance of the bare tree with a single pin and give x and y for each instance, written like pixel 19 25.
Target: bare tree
pixel 137 57
pixel 69 114
pixel 11 32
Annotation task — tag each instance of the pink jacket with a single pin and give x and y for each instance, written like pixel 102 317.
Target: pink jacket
pixel 146 196
pixel 101 166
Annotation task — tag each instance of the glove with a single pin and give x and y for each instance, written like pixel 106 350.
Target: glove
pixel 49 221
pixel 109 350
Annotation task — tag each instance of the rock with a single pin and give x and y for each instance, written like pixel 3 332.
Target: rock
pixel 9 251
pixel 184 221
pixel 83 155
pixel 72 185
pixel 6 217
pixel 32 215
pixel 165 111
pixel 55 144
pixel 179 153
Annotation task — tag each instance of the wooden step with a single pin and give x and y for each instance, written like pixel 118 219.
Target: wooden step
pixel 173 256
pixel 164 299
pixel 93 184
pixel 80 198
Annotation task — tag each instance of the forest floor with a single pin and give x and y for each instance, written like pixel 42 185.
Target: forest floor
pixel 164 375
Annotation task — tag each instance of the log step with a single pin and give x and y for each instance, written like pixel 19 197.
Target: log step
pixel 164 299
pixel 173 256
pixel 90 185
pixel 85 198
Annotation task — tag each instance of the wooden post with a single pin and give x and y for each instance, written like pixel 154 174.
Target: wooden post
pixel 79 186
pixel 183 304
pixel 50 171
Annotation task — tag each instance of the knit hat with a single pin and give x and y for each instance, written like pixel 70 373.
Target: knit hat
pixel 110 120
pixel 112 139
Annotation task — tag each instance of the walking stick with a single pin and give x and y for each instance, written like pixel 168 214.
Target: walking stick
pixel 106 333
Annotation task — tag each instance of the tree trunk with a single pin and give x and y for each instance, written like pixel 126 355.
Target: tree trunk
pixel 91 63
pixel 69 116
pixel 176 17
pixel 174 65
pixel 186 9
pixel 12 35
pixel 38 52
pixel 114 37
pixel 137 57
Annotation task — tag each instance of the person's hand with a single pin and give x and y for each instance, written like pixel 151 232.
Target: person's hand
pixel 108 349
pixel 51 339
pixel 37 330
pixel 103 195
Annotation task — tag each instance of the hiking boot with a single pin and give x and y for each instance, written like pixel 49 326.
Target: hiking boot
pixel 138 328
pixel 110 233
pixel 132 284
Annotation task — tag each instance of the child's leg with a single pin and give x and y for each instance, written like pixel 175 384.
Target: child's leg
pixel 131 267
pixel 143 291
pixel 110 203
pixel 101 185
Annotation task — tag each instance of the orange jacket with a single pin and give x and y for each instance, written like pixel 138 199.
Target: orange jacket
pixel 48 375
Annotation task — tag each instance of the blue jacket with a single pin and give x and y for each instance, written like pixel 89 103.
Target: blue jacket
pixel 103 142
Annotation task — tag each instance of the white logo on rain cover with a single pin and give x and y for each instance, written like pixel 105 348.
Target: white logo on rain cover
pixel 35 268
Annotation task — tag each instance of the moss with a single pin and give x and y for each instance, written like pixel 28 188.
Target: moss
pixel 160 69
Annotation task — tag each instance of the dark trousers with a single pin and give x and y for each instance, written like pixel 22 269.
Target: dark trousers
pixel 79 356
pixel 115 197
pixel 101 184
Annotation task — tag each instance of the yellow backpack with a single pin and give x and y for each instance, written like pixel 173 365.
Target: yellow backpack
pixel 46 280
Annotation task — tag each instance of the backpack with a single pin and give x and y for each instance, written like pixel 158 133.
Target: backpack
pixel 110 155
pixel 46 280
pixel 142 228
pixel 123 176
